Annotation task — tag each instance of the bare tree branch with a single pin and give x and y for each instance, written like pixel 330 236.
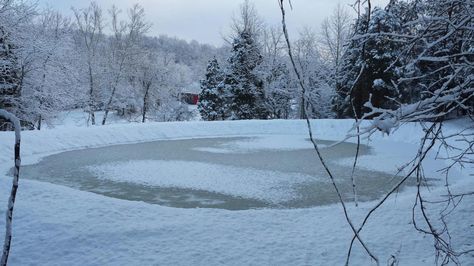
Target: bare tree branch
pixel 315 145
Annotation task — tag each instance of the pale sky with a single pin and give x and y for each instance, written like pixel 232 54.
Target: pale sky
pixel 208 20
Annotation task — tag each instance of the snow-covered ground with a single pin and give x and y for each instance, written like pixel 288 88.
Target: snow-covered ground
pixel 57 225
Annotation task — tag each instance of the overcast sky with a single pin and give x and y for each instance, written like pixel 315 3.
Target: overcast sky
pixel 207 20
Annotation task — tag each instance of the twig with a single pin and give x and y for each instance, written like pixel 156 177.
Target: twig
pixel 421 155
pixel 356 158
pixel 310 131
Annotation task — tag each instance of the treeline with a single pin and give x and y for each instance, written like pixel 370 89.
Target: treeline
pixel 98 60
pixel 376 62
pixel 255 81
pixel 408 58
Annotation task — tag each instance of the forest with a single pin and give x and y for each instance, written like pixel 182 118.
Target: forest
pixel 102 59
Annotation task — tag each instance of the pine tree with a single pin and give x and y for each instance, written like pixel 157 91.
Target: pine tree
pixel 369 66
pixel 443 64
pixel 10 78
pixel 247 97
pixel 409 13
pixel 212 100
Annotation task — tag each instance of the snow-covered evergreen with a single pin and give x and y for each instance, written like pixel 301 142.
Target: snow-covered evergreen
pixel 445 46
pixel 212 99
pixel 10 77
pixel 369 66
pixel 243 85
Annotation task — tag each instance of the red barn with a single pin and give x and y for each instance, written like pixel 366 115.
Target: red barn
pixel 190 98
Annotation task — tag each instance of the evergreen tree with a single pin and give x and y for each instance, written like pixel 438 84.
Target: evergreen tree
pixel 369 66
pixel 10 78
pixel 445 52
pixel 409 13
pixel 245 88
pixel 212 100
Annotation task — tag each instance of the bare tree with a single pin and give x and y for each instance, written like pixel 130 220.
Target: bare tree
pixel 246 20
pixel 311 136
pixel 160 82
pixel 306 56
pixel 90 24
pixel 45 80
pixel 273 43
pixel 335 32
pixel 315 73
pixel 150 76
pixel 279 88
pixel 13 12
pixel 124 47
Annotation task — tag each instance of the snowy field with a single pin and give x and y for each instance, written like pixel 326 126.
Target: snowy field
pixel 59 225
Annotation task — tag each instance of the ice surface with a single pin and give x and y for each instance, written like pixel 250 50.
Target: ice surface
pixel 177 172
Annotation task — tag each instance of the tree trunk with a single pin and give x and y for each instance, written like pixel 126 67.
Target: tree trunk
pixel 145 102
pixel 16 175
pixel 107 107
pixel 91 96
pixel 302 109
pixel 40 118
pixel 114 89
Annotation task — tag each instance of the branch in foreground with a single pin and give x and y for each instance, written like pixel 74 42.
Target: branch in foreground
pixel 420 156
pixel 315 145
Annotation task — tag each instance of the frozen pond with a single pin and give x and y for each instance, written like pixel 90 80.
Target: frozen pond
pixel 228 173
